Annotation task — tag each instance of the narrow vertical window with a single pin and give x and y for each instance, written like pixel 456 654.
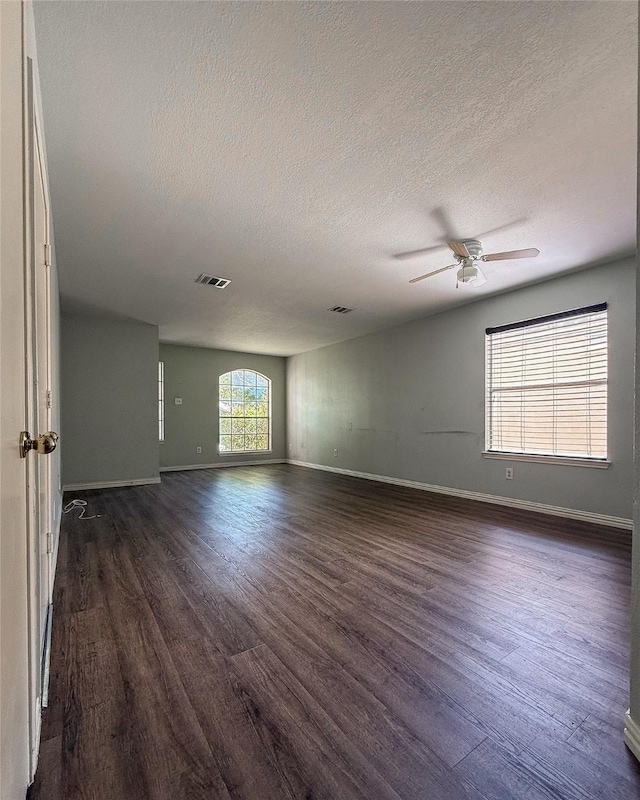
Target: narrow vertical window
pixel 161 401
pixel 244 412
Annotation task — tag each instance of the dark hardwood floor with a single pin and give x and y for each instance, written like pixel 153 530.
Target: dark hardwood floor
pixel 276 633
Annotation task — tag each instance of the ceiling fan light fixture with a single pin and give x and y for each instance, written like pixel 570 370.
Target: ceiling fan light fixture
pixel 467 273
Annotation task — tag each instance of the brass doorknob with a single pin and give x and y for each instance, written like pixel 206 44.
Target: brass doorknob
pixel 44 444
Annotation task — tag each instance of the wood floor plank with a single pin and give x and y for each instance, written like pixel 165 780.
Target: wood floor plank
pixel 432 619
pixel 164 727
pixel 557 674
pixel 449 708
pixel 548 626
pixel 358 643
pixel 501 776
pixel 589 774
pixel 339 672
pixel 228 724
pixel 275 633
pixel 53 718
pixel 598 739
pixel 49 773
pixel 313 755
pixel 413 720
pixel 96 726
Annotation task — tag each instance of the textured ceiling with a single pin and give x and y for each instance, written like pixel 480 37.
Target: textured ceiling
pixel 296 147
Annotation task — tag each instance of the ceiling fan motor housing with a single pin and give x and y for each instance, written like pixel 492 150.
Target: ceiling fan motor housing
pixel 474 248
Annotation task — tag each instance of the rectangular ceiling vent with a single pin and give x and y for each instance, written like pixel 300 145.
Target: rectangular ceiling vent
pixel 340 309
pixel 210 280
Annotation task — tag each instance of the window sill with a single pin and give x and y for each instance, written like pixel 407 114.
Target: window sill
pixel 245 453
pixel 564 460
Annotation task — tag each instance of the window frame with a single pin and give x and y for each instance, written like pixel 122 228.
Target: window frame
pixel 582 460
pixel 225 453
pixel 161 403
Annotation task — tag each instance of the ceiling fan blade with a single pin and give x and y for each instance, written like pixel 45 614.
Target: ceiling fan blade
pixel 435 272
pixel 480 279
pixel 532 252
pixel 414 253
pixel 459 248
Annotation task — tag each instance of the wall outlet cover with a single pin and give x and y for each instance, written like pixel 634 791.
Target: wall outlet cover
pixel 178 401
pixel 198 449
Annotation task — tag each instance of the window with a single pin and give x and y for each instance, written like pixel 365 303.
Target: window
pixel 161 401
pixel 547 385
pixel 244 412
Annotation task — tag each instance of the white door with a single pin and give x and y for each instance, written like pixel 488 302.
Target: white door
pixel 25 491
pixel 38 404
pixel 14 640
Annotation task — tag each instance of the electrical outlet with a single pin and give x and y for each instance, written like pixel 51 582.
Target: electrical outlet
pixel 290 447
pixel 178 401
pixel 198 449
pixel 335 451
pixel 509 473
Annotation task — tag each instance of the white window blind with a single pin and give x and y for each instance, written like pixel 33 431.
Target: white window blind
pixel 547 385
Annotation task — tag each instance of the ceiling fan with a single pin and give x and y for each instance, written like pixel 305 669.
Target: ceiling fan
pixel 468 254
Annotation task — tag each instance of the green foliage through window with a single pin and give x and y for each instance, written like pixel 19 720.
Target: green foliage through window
pixel 244 403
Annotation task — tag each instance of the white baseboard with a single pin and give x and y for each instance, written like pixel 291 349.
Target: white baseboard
pixel 632 735
pixel 224 466
pixel 524 505
pixel 78 487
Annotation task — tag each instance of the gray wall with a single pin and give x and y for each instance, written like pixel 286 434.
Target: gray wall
pixel 109 400
pixel 192 373
pixel 409 402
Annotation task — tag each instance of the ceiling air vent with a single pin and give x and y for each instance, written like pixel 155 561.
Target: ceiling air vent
pixel 210 280
pixel 340 309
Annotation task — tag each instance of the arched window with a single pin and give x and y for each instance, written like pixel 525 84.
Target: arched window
pixel 244 403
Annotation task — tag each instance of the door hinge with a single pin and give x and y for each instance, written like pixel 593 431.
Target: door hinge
pixel 47 255
pixel 49 542
pixel 48 398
